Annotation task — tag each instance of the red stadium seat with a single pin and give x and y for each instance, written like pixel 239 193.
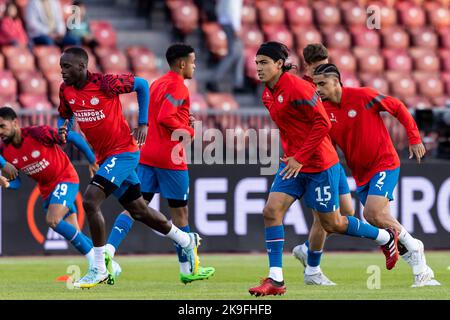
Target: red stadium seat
pixel 444 37
pixel 344 60
pixel 337 37
pixel 425 59
pixel 372 63
pixel 279 33
pixel 350 80
pixel 112 60
pixel 379 83
pixel 216 39
pixel 439 16
pixel 198 103
pixel 411 16
pixel 326 13
pixel 32 83
pixel 445 59
pixel 430 86
pixel 47 58
pixel 248 15
pixel 221 101
pixel 33 102
pixel 395 38
pixel 388 16
pixel 304 36
pixel 397 60
pixel 54 81
pixel 141 59
pixel 270 13
pixel 192 85
pixel 8 86
pixel 443 101
pixel 250 65
pixel 129 102
pixel 365 37
pixel 445 77
pixel 354 15
pixel 185 16
pixel 104 33
pixel 417 102
pixel 19 59
pixel 403 86
pixel 252 36
pixel 424 37
pixel 298 13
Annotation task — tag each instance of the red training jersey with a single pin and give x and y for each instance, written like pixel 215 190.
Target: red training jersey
pixel 358 129
pixel 168 111
pixel 297 110
pixel 98 111
pixel 41 157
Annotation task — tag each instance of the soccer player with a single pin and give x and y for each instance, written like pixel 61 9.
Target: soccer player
pixel 310 165
pixel 93 100
pixel 160 170
pixel 36 152
pixel 314 55
pixel 359 130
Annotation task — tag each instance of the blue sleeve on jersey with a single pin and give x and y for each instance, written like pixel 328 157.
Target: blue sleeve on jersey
pixel 82 145
pixel 2 161
pixel 143 96
pixel 61 122
pixel 15 184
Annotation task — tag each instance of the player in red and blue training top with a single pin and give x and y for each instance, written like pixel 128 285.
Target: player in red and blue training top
pixel 314 55
pixel 162 167
pixel 93 100
pixel 36 152
pixel 358 129
pixel 310 166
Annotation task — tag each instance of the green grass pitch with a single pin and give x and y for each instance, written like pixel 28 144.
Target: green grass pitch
pixel 156 277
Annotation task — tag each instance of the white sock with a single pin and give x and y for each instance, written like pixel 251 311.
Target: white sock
pixel 180 237
pixel 185 267
pixel 90 258
pixel 383 237
pixel 99 259
pixel 110 249
pixel 312 270
pixel 408 241
pixel 276 273
pixel 304 249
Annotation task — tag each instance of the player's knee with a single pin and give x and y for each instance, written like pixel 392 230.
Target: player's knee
pixel 270 213
pixel 90 206
pixel 52 221
pixel 334 225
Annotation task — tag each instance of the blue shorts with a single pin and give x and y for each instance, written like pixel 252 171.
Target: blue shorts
pixel 381 184
pixel 65 193
pixel 343 183
pixel 171 184
pixel 321 190
pixel 120 169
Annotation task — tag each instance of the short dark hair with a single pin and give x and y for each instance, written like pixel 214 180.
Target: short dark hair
pixel 78 52
pixel 315 52
pixel 7 113
pixel 178 50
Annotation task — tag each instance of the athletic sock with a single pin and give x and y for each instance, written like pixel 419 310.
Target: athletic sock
pixel 119 231
pixel 274 245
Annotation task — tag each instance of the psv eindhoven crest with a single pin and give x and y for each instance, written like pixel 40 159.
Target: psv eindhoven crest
pixel 352 113
pixel 280 98
pixel 95 101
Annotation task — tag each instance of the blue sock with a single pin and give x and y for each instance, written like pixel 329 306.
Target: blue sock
pixel 274 245
pixel 121 227
pixel 307 243
pixel 314 258
pixel 77 238
pixel 181 257
pixel 358 228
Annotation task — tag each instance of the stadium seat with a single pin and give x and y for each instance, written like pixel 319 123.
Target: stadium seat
pixel 129 102
pixel 270 13
pixel 403 86
pixel 192 85
pixel 35 102
pixel 388 16
pixel 141 59
pixel 216 39
pixel 104 33
pixel 252 36
pixel 198 103
pixel 350 80
pixel 411 16
pixel 250 65
pixel 2 62
pixel 298 13
pixel 221 101
pixel 444 54
pixel 379 83
pixel 112 60
pixel 439 16
pixel 424 37
pixel 304 36
pixel 417 102
pixel 248 15
pixel 444 37
pixel 279 33
pixel 18 59
pixel 343 59
pixel 431 86
pixel 443 101
pixel 425 59
pixel 371 63
pixel 354 15
pixel 365 37
pixel 47 58
pixel 32 83
pixel 445 77
pixel 149 76
pixel 395 38
pixel 54 81
pixel 337 37
pixel 184 15
pixel 326 14
pixel 397 60
pixel 8 86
